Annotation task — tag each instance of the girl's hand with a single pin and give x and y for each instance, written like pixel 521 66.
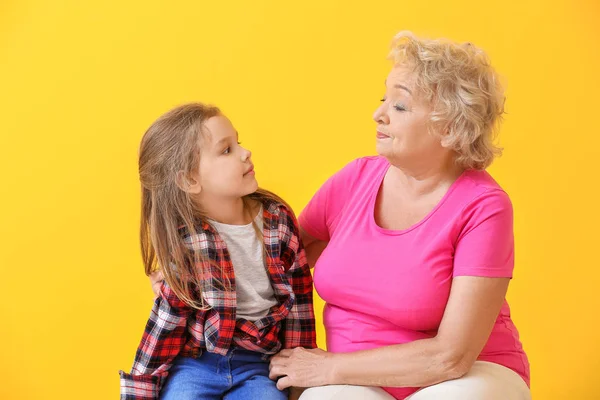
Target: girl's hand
pixel 156 279
pixel 301 367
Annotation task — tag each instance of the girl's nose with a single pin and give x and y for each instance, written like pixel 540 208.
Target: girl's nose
pixel 246 155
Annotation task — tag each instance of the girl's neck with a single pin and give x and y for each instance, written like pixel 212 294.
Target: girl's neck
pixel 230 211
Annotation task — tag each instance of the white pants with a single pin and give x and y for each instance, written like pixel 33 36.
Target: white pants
pixel 485 381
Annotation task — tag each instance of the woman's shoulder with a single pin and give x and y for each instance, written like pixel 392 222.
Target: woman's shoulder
pixel 479 189
pixel 481 179
pixel 370 162
pixel 363 168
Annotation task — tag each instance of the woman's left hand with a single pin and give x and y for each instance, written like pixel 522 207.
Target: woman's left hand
pixel 301 367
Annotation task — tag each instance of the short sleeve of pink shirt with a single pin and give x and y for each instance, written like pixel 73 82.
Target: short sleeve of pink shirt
pixel 384 287
pixel 485 246
pixel 322 212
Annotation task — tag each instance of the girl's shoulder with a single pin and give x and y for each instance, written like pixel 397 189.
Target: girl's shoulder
pixel 273 206
pixel 278 209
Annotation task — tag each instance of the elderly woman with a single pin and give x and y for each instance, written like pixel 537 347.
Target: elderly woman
pixel 413 249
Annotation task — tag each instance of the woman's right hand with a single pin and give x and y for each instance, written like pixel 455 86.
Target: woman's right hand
pixel 156 279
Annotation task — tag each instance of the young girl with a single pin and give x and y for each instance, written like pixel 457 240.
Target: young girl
pixel 236 287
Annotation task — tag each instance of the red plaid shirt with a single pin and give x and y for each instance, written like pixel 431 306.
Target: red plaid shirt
pixel 176 329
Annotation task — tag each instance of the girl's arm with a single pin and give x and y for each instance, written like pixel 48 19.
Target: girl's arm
pixel 164 337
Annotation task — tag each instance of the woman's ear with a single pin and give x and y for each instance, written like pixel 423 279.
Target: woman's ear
pixel 445 131
pixel 188 184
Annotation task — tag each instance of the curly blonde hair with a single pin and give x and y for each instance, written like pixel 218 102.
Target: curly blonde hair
pixel 464 90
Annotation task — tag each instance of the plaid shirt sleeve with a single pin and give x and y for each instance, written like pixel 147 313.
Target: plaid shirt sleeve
pixel 164 337
pixel 298 328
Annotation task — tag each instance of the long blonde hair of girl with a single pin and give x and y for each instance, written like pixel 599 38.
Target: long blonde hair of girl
pixel 169 146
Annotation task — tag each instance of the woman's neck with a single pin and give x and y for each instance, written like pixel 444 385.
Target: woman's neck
pixel 425 179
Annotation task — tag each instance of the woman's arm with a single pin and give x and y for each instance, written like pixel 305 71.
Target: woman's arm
pixel 470 315
pixel 312 246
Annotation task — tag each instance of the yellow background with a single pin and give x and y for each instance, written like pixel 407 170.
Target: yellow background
pixel 80 81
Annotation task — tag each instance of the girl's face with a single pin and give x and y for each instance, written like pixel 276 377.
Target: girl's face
pixel 226 171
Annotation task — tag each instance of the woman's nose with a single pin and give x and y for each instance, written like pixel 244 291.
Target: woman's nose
pixel 380 115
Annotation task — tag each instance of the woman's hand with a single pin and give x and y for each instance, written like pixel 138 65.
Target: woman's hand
pixel 302 367
pixel 156 279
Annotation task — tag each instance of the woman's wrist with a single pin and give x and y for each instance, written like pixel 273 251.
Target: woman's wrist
pixel 332 371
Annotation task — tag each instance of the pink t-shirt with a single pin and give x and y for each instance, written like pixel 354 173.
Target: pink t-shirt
pixel 385 287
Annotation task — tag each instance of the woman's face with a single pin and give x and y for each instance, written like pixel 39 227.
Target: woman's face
pixel 402 119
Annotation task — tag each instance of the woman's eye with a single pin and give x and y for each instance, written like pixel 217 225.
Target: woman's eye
pixel 399 107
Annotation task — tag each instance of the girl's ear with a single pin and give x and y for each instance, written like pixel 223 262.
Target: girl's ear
pixel 188 184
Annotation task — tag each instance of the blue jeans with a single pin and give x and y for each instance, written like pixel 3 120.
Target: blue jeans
pixel 239 375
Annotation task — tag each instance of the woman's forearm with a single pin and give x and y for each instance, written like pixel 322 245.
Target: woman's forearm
pixel 416 364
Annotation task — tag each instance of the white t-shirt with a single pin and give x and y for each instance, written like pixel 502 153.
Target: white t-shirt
pixel 253 288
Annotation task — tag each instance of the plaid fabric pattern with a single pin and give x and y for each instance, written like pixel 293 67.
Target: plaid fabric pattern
pixel 175 329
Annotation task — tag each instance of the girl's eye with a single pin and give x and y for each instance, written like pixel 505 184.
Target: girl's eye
pixel 227 150
pixel 240 143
